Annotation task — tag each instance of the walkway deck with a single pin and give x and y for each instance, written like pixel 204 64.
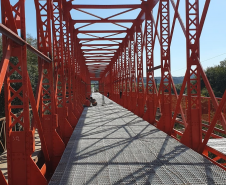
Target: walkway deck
pixel 111 145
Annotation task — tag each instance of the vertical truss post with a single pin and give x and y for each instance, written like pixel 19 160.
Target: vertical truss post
pixel 112 95
pixel 83 73
pixel 79 79
pixel 48 114
pixel 119 75
pixel 150 81
pixel 123 67
pixel 127 75
pixel 69 69
pixel 20 142
pixel 73 71
pixel 121 70
pixel 67 61
pixel 192 136
pixel 111 85
pixel 76 74
pixel 133 92
pixel 119 78
pixel 115 79
pixel 123 73
pixel 65 129
pixel 165 91
pixel 77 50
pixel 80 73
pixel 140 83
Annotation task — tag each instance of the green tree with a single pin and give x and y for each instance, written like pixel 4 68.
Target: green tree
pixel 217 79
pixel 32 63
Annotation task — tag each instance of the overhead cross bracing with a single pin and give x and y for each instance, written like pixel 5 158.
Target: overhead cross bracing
pixel 94 49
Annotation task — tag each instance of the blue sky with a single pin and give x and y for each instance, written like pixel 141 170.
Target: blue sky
pixel 212 43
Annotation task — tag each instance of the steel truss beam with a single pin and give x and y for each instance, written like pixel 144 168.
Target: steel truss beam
pixel 151 93
pixel 61 63
pixel 193 137
pixel 7 32
pixel 102 31
pixel 127 74
pixel 100 38
pixel 48 112
pixel 165 88
pixel 140 83
pixel 98 54
pixel 106 6
pixel 66 69
pixel 104 21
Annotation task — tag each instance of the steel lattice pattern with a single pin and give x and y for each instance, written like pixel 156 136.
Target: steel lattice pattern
pixel 111 145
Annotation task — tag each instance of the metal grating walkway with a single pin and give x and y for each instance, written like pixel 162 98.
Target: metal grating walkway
pixel 111 145
pixel 218 144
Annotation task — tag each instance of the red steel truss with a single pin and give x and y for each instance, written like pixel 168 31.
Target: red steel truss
pixel 70 58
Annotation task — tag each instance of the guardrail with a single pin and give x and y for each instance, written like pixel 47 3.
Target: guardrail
pixel 208 112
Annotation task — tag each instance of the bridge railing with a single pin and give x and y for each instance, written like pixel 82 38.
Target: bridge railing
pixel 207 114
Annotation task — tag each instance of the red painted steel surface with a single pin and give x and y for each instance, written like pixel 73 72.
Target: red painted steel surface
pixel 68 62
pixel 48 110
pixel 20 144
pixel 150 83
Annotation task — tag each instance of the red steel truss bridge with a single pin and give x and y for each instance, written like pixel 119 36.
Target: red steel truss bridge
pixel 141 134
